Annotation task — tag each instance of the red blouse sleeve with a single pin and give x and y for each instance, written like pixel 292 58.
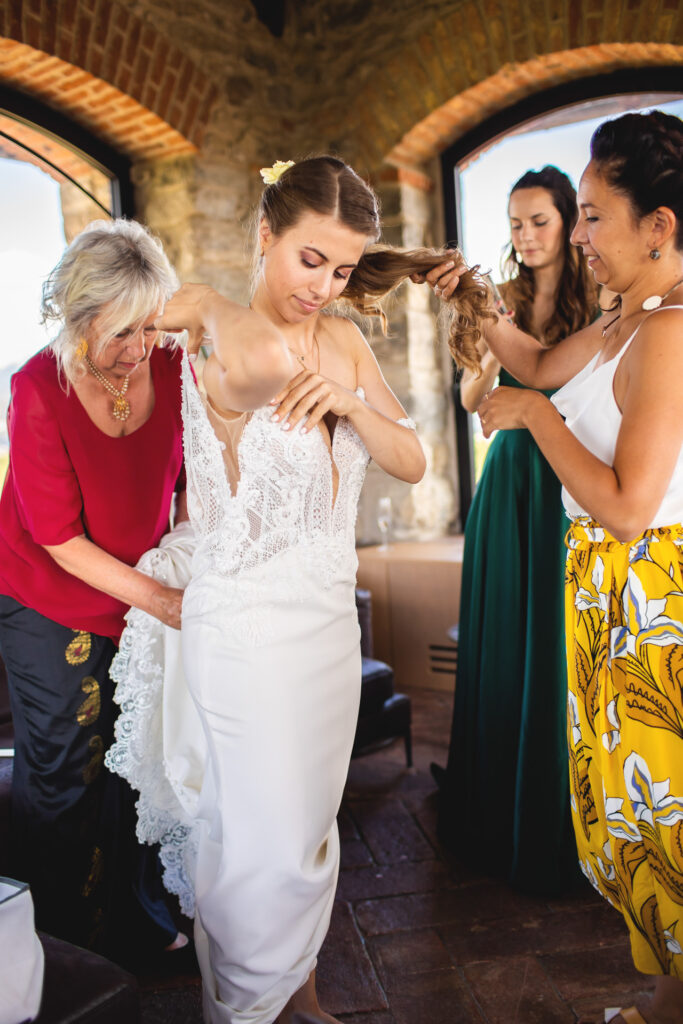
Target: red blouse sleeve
pixel 47 492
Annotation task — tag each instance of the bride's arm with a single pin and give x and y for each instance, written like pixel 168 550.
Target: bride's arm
pixel 392 445
pixel 250 361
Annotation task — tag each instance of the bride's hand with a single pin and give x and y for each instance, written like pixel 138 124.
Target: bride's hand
pixel 310 394
pixel 184 312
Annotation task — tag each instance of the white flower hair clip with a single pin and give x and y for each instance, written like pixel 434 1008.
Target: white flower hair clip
pixel 272 174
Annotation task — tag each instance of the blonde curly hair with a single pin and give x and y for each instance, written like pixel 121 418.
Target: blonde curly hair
pixel 115 271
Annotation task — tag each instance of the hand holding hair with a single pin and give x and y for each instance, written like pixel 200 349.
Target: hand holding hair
pixel 462 288
pixel 443 279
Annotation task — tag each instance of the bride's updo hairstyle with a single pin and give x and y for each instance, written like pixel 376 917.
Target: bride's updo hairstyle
pixel 328 186
pixel 641 156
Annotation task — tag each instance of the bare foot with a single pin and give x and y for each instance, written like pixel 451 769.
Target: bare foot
pixel 180 941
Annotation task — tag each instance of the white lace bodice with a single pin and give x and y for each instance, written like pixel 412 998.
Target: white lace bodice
pixel 284 497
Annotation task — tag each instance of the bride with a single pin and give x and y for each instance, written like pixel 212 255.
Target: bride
pixel 295 407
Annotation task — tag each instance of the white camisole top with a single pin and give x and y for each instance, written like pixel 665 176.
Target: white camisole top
pixel 591 412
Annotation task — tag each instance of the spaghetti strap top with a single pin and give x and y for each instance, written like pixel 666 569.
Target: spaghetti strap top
pixel 591 412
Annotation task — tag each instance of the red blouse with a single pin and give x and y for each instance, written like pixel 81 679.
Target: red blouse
pixel 66 478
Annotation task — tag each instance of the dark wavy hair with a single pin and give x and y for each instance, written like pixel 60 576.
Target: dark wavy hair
pixel 327 185
pixel 641 155
pixel 577 297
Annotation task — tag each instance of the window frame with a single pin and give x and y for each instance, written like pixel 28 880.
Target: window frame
pixel 53 124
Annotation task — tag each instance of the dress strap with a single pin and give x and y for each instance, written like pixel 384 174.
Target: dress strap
pixel 629 342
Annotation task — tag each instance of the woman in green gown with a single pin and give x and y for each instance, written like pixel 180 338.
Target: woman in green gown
pixel 504 799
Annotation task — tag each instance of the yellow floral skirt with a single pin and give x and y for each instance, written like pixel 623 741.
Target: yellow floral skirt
pixel 624 607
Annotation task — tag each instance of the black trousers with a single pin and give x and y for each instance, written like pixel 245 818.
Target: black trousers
pixel 73 822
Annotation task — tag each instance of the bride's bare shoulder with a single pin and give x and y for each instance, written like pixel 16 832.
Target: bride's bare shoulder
pixel 343 332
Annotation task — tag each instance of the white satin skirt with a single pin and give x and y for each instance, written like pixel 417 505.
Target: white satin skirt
pixel 277 688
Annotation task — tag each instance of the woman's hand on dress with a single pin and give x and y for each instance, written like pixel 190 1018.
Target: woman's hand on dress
pixel 311 394
pixel 183 312
pixel 166 605
pixel 508 409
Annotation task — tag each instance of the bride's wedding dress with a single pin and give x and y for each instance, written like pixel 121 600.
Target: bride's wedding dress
pixel 241 783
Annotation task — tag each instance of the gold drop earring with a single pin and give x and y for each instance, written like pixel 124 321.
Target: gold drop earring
pixel 82 350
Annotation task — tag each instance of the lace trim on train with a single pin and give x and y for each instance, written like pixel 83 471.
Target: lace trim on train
pixel 138 755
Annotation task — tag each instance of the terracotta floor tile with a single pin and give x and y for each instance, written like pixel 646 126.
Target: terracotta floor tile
pixel 581 928
pixel 346 978
pixel 392 879
pixel 390 831
pixel 354 854
pixel 346 825
pixel 462 906
pixel 438 998
pixel 517 991
pixel 405 953
pixel 590 971
pixel 367 1018
pixel 176 1006
pixel 374 775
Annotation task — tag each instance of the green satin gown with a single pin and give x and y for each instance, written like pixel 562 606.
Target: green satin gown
pixel 504 800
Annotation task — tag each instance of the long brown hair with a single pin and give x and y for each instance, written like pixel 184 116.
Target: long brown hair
pixel 577 298
pixel 327 185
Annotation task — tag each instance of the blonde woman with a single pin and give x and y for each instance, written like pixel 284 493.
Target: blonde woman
pixel 95 460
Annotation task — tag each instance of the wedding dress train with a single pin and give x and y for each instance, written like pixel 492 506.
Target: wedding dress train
pixel 271 659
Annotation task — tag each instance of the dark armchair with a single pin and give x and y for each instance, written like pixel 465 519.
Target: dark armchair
pixel 384 715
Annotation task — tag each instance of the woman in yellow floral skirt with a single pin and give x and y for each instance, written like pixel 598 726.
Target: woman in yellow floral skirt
pixel 618 452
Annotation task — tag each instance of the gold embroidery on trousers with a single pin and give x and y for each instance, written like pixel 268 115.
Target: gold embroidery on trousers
pixel 94 765
pixel 78 649
pixel 95 873
pixel 90 708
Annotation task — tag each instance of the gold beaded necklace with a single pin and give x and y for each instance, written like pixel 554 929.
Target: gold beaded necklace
pixel 121 408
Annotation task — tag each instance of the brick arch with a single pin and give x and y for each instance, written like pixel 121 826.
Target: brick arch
pixel 515 82
pixel 109 71
pixel 499 46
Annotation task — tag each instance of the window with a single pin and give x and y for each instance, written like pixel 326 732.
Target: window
pixel 54 180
